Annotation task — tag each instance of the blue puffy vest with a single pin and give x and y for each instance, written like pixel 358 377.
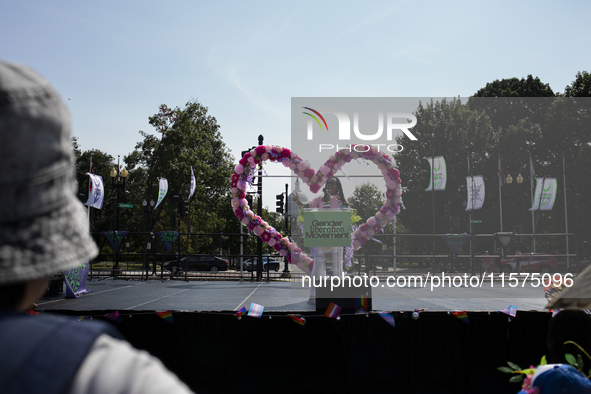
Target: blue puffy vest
pixel 41 354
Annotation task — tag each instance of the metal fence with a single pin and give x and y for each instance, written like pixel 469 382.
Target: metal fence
pixel 141 256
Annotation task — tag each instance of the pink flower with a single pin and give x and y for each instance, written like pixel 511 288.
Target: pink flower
pixel 239 169
pixel 371 221
pixel 309 172
pixel 277 247
pixel 356 244
pixel 283 252
pixel 245 220
pixel 243 161
pixel 323 170
pixel 314 188
pixel 239 214
pixel 272 242
pixel 285 153
pixel 302 166
pixel 266 237
pixel 241 194
pixel 260 150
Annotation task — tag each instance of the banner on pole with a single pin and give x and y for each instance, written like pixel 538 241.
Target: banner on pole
pixel 96 191
pixel 162 190
pixel 476 192
pixel 545 194
pixel 438 177
pixel 193 184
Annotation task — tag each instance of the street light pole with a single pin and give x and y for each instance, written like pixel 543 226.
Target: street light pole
pixel 260 214
pixel 286 213
pixel 118 182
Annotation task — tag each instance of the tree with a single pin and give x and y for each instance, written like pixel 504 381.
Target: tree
pixel 580 87
pixel 451 130
pixel 508 101
pixel 189 138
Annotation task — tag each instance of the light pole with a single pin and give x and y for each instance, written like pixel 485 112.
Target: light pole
pixel 118 182
pixel 148 221
pixel 513 193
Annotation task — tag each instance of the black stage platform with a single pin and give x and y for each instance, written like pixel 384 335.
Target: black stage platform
pixel 213 351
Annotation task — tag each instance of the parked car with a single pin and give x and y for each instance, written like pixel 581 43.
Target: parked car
pixel 196 263
pixel 540 262
pixel 269 263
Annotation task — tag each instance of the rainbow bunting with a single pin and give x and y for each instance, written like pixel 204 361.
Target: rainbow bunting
pixel 241 312
pixel 362 302
pixel 166 315
pixel 511 310
pixel 298 319
pixel 387 317
pixel 555 312
pixel 332 311
pixel 420 310
pixel 114 317
pixel 80 318
pixel 256 310
pixel 361 311
pixel 462 315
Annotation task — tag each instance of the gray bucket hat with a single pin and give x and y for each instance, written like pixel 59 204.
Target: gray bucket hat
pixel 43 226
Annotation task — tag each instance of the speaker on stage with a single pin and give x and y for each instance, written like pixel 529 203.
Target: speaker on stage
pixel 349 298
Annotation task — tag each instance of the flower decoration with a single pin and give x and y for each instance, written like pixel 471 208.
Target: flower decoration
pixel 244 173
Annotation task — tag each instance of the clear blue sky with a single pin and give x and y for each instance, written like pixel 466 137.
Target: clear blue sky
pixel 115 62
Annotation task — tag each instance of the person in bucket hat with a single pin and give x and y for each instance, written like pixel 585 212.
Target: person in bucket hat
pixel 43 231
pixel 560 378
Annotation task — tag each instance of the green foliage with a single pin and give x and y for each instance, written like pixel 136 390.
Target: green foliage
pixel 189 138
pixel 580 87
pixel 367 199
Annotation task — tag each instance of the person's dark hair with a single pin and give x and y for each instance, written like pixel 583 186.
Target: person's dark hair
pixel 340 192
pixel 11 295
pixel 568 325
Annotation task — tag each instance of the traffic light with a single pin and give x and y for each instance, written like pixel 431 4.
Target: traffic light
pixel 183 208
pixel 279 203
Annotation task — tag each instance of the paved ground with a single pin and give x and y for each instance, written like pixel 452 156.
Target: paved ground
pixel 109 294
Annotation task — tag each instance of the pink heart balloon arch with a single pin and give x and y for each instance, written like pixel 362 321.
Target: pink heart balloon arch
pixel 245 170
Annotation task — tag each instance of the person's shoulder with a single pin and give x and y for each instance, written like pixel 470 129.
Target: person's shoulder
pixel 114 366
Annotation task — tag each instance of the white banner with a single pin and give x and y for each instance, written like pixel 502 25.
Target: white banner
pixel 475 186
pixel 192 184
pixel 545 194
pixel 438 173
pixel 96 191
pixel 163 189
